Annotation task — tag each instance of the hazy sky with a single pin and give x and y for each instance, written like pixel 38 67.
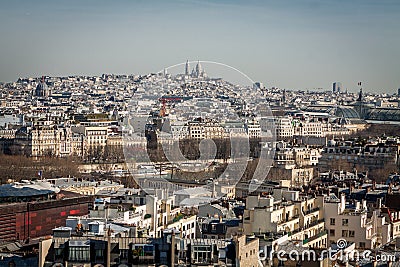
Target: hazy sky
pixel 290 44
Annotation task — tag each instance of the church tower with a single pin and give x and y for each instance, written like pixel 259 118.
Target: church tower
pixel 199 70
pixel 360 105
pixel 187 68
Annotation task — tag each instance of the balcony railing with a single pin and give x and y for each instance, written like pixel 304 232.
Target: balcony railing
pixel 320 234
pixel 293 218
pixel 311 211
pixel 314 223
pixel 307 226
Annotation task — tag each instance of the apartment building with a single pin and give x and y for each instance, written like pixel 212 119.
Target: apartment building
pixel 207 129
pixel 297 176
pixel 289 157
pixel 352 221
pixel 375 154
pixel 290 126
pixel 253 129
pixel 284 128
pixel 112 248
pixel 286 212
pixel 247 251
pixel 96 136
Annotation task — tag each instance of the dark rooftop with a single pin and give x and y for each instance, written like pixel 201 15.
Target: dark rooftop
pixel 9 190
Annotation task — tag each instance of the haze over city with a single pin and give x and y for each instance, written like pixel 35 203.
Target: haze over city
pixel 200 133
pixel 288 44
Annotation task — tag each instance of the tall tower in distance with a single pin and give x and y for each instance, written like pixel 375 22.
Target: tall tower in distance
pixel 359 105
pixel 187 68
pixel 337 87
pixel 199 70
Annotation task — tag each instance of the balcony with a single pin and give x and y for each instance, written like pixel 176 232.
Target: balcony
pixel 320 234
pixel 307 226
pixel 314 223
pixel 307 212
pixel 354 213
pixel 373 236
pixel 134 216
pixel 178 217
pixel 292 219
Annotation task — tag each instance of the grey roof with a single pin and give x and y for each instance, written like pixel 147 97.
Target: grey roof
pixel 194 191
pixel 63 228
pixel 117 228
pixel 10 246
pixel 339 111
pixel 79 243
pixel 9 190
pixel 384 114
pixel 196 201
pixel 347 112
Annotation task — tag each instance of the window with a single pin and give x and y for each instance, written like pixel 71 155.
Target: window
pixel 79 253
pixel 333 221
pixel 332 232
pixel 351 233
pixel 362 244
pixel 99 253
pixel 123 253
pixel 345 222
pixel 202 253
pixel 345 233
pixel 58 251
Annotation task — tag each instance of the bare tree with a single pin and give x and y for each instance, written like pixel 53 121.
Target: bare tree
pixel 17 167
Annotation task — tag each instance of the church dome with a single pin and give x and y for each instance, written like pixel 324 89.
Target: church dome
pixel 42 89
